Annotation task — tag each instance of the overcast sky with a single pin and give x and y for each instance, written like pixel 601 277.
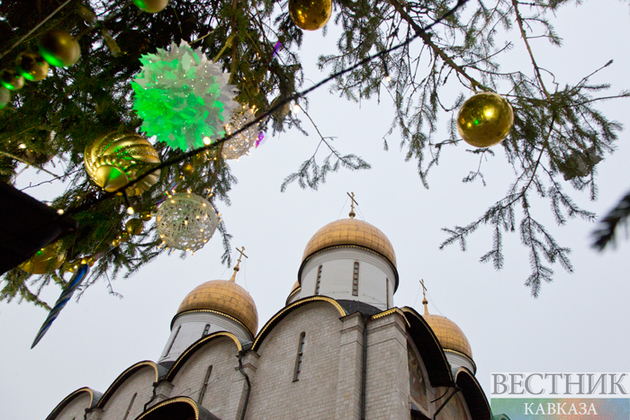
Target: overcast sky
pixel 578 324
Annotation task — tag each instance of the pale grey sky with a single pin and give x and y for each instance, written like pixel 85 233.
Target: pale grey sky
pixel 579 323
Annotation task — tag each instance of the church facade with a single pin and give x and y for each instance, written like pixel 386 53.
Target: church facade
pixel 339 349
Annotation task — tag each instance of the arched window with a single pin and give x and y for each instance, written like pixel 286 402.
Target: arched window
pixel 319 280
pixel 173 342
pixel 299 358
pixel 355 280
pixel 206 330
pixel 204 386
pixel 130 405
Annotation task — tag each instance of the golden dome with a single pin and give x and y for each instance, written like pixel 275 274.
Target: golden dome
pixel 351 232
pixel 450 336
pixel 225 297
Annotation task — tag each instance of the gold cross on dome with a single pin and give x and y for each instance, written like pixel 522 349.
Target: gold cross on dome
pixel 425 302
pixel 238 263
pixel 424 289
pixel 352 203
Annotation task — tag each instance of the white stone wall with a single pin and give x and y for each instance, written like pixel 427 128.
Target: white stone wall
pixel 337 274
pixel 141 382
pixel 275 395
pixel 349 383
pixel 226 383
pixel 76 408
pixel 388 391
pixel 192 327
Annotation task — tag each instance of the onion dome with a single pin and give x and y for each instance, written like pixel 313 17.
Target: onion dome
pixel 225 297
pixel 351 233
pixel 450 336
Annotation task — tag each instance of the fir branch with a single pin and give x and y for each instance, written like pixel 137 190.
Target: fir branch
pixel 605 234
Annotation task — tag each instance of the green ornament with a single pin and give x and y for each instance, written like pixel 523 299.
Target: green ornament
pixel 183 98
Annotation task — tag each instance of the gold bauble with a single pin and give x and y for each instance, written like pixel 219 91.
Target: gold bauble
pixel 32 66
pixel 59 48
pixel 145 216
pixel 134 226
pixel 116 242
pixel 188 169
pixel 151 6
pixel 310 14
pixel 115 159
pixel 11 80
pixel 485 119
pixel 45 260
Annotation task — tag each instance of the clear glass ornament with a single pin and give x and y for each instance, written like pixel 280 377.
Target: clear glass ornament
pixel 240 143
pixel 186 221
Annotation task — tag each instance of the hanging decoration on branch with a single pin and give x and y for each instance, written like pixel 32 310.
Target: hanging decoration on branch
pixel 75 282
pixel 186 221
pixel 485 119
pixel 115 159
pixel 59 48
pixel 32 66
pixel 240 143
pixel 5 96
pixel 11 80
pixel 46 260
pixel 134 226
pixel 151 6
pixel 183 98
pixel 310 14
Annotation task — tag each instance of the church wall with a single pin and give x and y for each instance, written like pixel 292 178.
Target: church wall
pixel 275 394
pixel 192 328
pixel 455 409
pixel 76 408
pixel 388 391
pixel 349 379
pixel 141 382
pixel 224 380
pixel 337 270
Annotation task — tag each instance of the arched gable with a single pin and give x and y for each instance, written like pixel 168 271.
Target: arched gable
pixel 178 408
pixel 130 392
pixel 210 376
pixel 183 358
pixel 123 377
pixel 476 401
pixel 298 364
pixel 429 348
pixel 86 393
pixel 288 309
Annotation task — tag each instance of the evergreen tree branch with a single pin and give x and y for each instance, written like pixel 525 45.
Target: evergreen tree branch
pixel 605 234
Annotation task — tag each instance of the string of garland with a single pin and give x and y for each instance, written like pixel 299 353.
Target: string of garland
pixel 274 108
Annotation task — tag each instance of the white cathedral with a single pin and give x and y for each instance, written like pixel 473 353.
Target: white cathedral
pixel 339 349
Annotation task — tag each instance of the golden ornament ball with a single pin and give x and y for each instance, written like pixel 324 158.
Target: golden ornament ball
pixel 151 6
pixel 310 14
pixel 188 169
pixel 113 160
pixel 485 119
pixel 125 237
pixel 45 260
pixel 145 216
pixel 134 226
pixel 59 48
pixel 11 80
pixel 32 66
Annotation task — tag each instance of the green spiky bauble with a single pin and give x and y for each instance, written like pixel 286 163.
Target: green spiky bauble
pixel 182 97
